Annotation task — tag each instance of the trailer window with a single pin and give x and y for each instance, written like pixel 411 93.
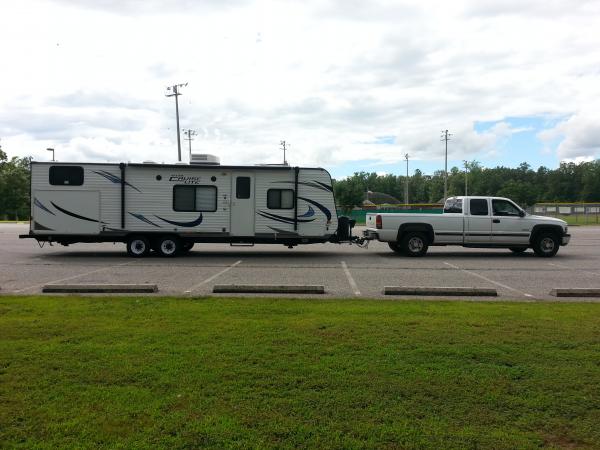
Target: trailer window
pixel 66 175
pixel 479 207
pixel 194 198
pixel 280 199
pixel 242 187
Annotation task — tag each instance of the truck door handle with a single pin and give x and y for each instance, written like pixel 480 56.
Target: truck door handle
pixel 496 220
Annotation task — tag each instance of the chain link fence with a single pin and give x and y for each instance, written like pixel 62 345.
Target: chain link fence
pixel 572 213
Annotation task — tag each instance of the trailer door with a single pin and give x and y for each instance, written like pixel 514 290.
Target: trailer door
pixel 242 204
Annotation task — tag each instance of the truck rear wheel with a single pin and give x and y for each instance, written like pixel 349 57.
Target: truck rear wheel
pixel 138 246
pixel 414 244
pixel 395 247
pixel 546 245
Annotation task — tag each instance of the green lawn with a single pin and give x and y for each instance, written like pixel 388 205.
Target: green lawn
pixel 146 372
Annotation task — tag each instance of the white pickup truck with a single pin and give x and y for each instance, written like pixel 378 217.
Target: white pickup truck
pixel 480 222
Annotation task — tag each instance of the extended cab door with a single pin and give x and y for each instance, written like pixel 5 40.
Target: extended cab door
pixel 508 227
pixel 478 226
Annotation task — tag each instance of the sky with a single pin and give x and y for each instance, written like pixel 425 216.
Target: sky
pixel 349 85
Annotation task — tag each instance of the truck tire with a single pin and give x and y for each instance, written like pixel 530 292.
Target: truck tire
pixel 138 246
pixel 518 249
pixel 414 244
pixel 546 244
pixel 395 247
pixel 168 246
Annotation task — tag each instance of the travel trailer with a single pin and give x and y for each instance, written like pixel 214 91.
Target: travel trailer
pixel 168 208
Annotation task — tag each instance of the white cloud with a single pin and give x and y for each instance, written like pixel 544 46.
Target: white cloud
pixel 88 78
pixel 579 137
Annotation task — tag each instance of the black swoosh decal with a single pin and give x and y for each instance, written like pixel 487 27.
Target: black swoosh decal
pixel 282 218
pixel 326 186
pixel 39 226
pixel 314 184
pixel 40 205
pixel 318 205
pixel 72 214
pixel 143 219
pixel 193 223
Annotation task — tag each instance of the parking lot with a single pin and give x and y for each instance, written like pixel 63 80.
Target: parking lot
pixel 345 271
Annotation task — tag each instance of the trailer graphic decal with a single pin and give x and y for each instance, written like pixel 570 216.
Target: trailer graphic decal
pixel 309 213
pixel 38 226
pixel 72 214
pixel 286 232
pixel 318 205
pixel 282 219
pixel 113 178
pixel 40 205
pixel 144 219
pixel 193 223
pixel 313 184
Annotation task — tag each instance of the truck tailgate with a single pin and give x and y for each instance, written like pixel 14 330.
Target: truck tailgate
pixel 370 220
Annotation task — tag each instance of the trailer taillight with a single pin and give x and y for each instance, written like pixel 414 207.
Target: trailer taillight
pixel 378 223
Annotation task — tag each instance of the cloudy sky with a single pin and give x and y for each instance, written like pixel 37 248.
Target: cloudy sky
pixel 351 85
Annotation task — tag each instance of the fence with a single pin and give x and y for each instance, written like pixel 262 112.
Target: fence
pixel 572 213
pixel 360 214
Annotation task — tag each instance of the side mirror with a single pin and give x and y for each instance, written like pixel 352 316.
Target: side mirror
pixel 521 213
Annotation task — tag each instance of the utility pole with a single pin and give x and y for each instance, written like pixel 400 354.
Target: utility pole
pixel 51 150
pixel 189 138
pixel 174 92
pixel 406 188
pixel 466 177
pixel 284 146
pixel 446 138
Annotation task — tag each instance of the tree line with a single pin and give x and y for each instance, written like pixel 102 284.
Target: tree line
pixel 570 182
pixel 14 187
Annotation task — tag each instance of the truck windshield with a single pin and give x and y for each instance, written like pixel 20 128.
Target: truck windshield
pixel 453 205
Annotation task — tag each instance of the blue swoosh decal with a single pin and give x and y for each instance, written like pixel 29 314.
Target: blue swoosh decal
pixel 309 213
pixel 40 205
pixel 318 205
pixel 193 223
pixel 143 219
pixel 113 178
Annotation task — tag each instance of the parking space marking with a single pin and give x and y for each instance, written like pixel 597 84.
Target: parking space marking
pixel 216 275
pixel 562 266
pixel 488 280
pixel 74 276
pixel 350 279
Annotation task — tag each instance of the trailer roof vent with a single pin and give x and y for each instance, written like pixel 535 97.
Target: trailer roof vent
pixel 204 159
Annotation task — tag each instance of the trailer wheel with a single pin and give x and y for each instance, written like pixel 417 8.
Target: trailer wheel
pixel 168 246
pixel 414 244
pixel 186 246
pixel 395 247
pixel 138 246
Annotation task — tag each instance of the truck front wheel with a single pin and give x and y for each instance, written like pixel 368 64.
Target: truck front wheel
pixel 414 244
pixel 546 245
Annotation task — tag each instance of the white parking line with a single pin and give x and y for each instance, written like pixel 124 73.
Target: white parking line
pixel 488 280
pixel 350 279
pixel 74 276
pixel 216 275
pixel 562 266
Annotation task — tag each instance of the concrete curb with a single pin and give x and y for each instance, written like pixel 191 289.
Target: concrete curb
pixel 576 292
pixel 101 288
pixel 267 289
pixel 440 291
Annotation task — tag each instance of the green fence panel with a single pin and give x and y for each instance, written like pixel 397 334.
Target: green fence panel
pixel 360 215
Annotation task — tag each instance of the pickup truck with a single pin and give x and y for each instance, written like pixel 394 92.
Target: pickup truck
pixel 480 222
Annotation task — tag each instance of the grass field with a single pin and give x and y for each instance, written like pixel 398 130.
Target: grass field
pixel 257 373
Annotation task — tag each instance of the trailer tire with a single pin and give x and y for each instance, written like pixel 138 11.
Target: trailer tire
pixel 168 246
pixel 138 246
pixel 546 244
pixel 414 244
pixel 395 247
pixel 186 246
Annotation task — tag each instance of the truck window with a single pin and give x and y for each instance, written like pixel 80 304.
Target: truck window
pixel 66 175
pixel 504 208
pixel 478 207
pixel 453 205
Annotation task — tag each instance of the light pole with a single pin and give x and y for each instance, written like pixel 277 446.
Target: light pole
pixel 51 150
pixel 446 138
pixel 466 177
pixel 284 146
pixel 175 93
pixel 406 187
pixel 189 138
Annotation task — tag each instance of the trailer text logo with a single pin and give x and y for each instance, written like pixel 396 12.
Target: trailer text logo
pixel 184 179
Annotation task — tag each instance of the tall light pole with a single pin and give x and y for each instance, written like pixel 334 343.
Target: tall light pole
pixel 406 187
pixel 466 177
pixel 446 138
pixel 51 150
pixel 284 146
pixel 175 93
pixel 189 138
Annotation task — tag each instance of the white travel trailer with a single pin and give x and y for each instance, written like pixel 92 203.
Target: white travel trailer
pixel 168 208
